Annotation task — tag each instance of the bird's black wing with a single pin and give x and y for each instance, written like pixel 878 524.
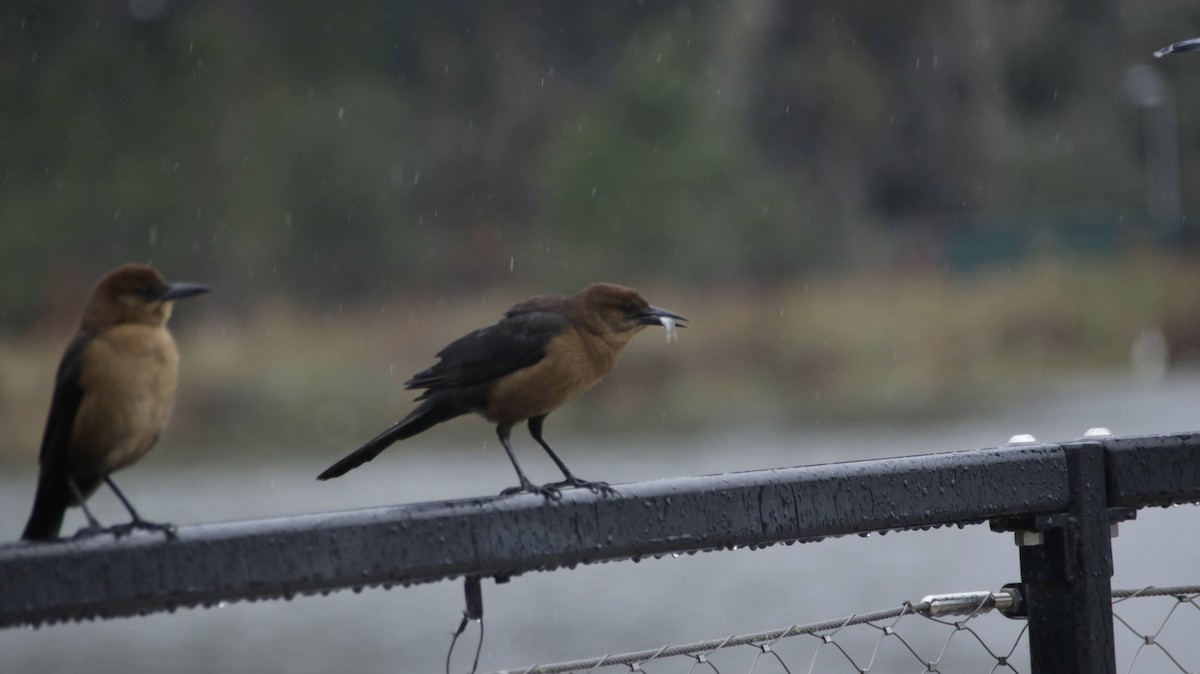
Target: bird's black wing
pixel 54 493
pixel 68 394
pixel 517 341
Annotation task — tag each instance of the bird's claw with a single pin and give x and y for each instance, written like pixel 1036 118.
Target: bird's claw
pixel 89 531
pixel 602 488
pixel 166 529
pixel 547 491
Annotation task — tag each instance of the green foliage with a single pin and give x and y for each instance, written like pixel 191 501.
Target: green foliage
pixel 341 153
pixel 655 172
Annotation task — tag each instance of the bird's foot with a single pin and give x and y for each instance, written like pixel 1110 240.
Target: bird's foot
pixel 165 528
pixel 594 487
pixel 90 530
pixel 548 491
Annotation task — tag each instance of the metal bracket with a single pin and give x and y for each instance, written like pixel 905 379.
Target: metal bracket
pixel 1030 531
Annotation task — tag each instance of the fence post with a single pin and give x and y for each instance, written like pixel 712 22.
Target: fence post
pixel 1068 576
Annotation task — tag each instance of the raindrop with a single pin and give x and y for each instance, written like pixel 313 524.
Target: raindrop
pixel 593 191
pixel 1150 354
pixel 146 10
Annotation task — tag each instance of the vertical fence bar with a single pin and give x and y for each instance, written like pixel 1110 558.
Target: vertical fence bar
pixel 1068 577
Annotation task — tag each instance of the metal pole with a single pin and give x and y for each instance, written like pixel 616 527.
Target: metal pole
pixel 1067 577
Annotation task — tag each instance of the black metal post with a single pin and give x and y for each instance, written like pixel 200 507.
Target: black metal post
pixel 1068 576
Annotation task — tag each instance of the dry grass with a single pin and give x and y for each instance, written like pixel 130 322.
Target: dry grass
pixel 853 350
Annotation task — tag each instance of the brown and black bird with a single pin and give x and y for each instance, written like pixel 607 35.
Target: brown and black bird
pixel 545 352
pixel 113 396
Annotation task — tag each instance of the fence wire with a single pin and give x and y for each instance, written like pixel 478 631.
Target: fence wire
pixel 941 633
pixel 1167 625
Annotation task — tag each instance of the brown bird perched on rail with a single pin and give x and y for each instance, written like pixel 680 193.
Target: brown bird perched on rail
pixel 113 395
pixel 545 352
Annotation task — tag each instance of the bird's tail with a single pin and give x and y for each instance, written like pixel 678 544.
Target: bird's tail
pixel 434 410
pixel 49 506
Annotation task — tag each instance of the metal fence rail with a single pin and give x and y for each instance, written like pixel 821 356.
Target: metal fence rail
pixel 1059 497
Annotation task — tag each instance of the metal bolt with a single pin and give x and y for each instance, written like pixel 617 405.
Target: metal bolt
pixel 1026 539
pixel 1097 432
pixel 1022 439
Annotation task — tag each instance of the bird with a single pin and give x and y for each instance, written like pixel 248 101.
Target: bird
pixel 544 352
pixel 1186 45
pixel 113 395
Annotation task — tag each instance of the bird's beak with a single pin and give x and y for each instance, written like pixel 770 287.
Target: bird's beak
pixel 179 291
pixel 655 316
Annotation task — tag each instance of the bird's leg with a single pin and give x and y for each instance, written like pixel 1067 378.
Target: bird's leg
pixel 502 432
pixel 93 527
pixel 535 429
pixel 137 521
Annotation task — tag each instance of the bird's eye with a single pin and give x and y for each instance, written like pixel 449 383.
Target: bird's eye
pixel 148 291
pixel 628 308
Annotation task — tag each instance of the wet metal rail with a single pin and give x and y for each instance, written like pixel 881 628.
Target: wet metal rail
pixel 1059 498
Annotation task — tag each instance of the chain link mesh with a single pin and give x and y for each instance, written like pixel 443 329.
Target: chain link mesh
pixel 917 637
pixel 1168 619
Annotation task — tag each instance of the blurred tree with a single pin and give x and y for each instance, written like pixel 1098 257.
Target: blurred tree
pixel 346 153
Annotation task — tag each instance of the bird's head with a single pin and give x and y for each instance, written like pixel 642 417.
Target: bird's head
pixel 623 312
pixel 134 293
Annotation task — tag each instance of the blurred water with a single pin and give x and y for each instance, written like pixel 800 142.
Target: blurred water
pixel 610 607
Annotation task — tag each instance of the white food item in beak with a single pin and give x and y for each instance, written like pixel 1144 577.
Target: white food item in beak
pixel 669 324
